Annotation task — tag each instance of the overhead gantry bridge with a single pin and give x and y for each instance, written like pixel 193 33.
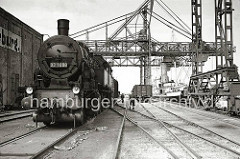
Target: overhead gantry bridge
pixel 132 52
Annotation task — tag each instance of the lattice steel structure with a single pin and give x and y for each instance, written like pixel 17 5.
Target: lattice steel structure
pixel 133 45
pixel 206 88
pixel 197 36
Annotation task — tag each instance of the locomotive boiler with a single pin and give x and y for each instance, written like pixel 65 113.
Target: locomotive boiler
pixel 71 82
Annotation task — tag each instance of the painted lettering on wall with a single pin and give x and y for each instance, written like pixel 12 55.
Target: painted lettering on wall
pixel 10 40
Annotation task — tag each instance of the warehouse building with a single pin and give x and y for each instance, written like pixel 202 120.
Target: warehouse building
pixel 19 44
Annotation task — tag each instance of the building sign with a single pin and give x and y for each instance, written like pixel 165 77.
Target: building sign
pixel 10 40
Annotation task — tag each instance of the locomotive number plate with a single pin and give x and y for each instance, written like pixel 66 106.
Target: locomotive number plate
pixel 58 65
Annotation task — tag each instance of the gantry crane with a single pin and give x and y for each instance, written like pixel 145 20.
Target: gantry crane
pixel 133 45
pixel 206 88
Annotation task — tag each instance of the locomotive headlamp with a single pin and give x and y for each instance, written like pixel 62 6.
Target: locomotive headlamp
pixel 76 90
pixel 29 90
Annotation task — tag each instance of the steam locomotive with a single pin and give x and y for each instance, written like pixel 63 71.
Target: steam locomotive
pixel 71 83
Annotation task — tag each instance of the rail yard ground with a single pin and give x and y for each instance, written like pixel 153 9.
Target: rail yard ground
pixel 156 130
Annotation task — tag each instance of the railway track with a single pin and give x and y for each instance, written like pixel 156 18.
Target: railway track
pixel 35 143
pixel 150 129
pixel 20 136
pixel 177 150
pixel 116 151
pixel 213 116
pixel 17 115
pixel 198 133
pixel 192 123
pixel 9 113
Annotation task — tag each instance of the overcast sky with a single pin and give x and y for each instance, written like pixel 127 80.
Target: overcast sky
pixel 43 14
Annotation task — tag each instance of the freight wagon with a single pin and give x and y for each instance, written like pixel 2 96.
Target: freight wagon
pixel 19 44
pixel 142 92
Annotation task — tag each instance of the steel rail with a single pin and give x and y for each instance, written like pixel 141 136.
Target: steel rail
pixel 146 132
pixel 15 113
pixel 186 147
pixel 198 125
pixel 212 142
pixel 20 136
pixel 118 143
pixel 214 118
pixel 9 118
pixel 190 151
pixel 42 151
pixel 51 146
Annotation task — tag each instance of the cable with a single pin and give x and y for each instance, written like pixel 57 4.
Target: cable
pixel 101 24
pixel 172 28
pixel 172 24
pixel 97 28
pixel 173 16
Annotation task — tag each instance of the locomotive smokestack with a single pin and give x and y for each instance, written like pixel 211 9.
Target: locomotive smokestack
pixel 63 27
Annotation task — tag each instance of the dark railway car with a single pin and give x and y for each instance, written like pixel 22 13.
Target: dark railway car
pixel 103 73
pixel 115 87
pixel 70 83
pixel 19 44
pixel 142 92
